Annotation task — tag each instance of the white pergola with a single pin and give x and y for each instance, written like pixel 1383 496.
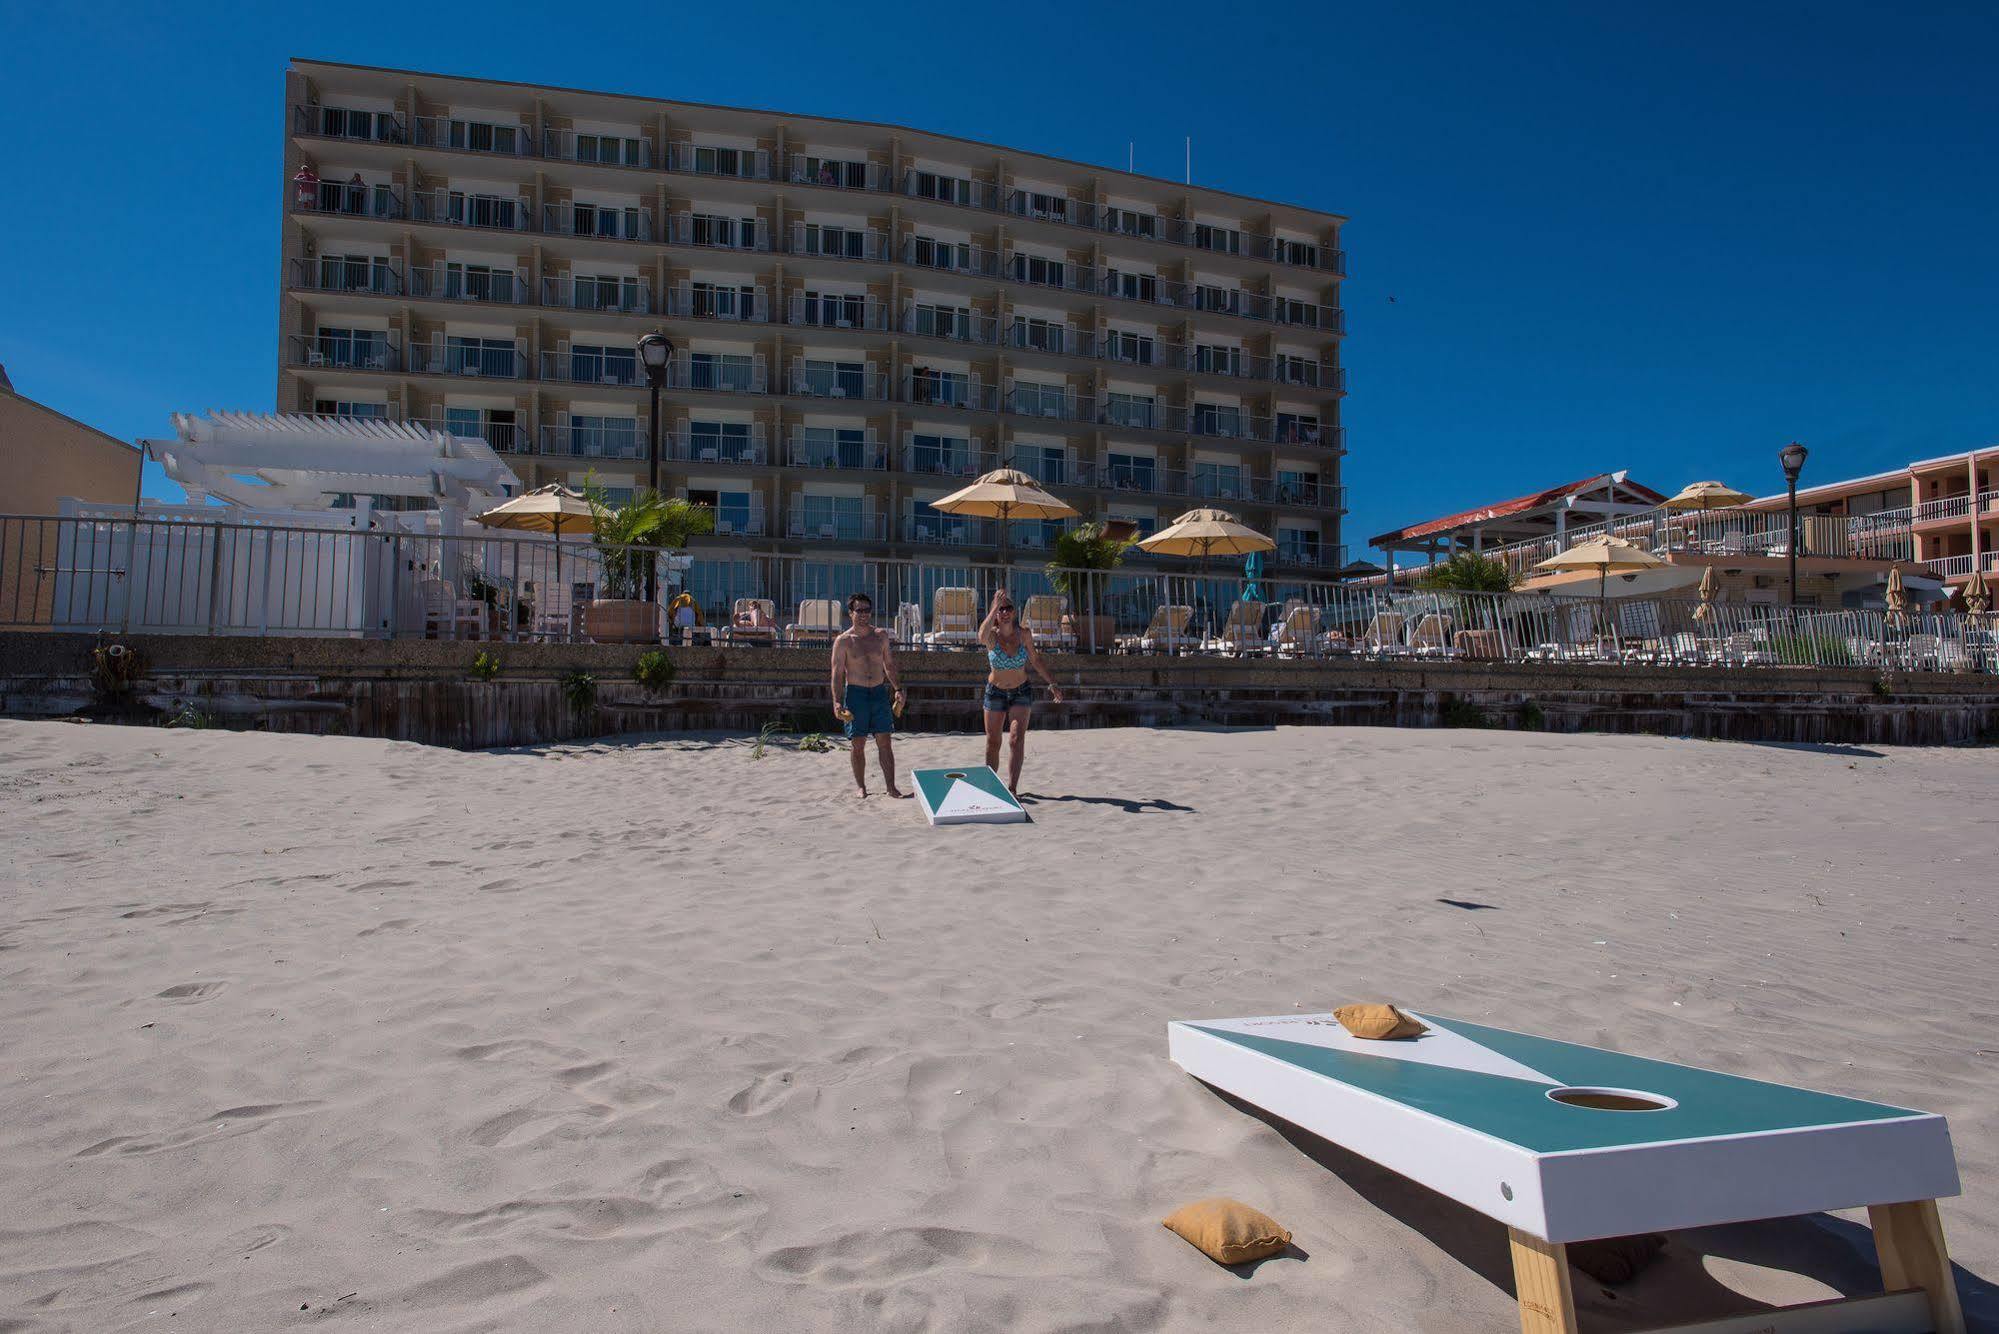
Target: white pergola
pixel 298 462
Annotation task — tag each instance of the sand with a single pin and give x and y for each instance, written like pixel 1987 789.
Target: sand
pixel 657 1035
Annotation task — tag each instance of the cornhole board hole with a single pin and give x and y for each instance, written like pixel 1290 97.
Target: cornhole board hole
pixel 1567 1143
pixel 973 795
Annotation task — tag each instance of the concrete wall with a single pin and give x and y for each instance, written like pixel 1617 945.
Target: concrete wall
pixel 45 456
pixel 421 691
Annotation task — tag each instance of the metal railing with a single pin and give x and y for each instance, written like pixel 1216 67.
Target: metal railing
pixel 717 231
pixel 624 440
pixel 347 273
pixel 603 222
pixel 835 174
pixel 838 382
pixel 826 242
pixel 715 302
pixel 349 199
pixel 458 208
pixel 821 447
pixel 474 136
pixel 455 282
pixel 343 352
pixel 326 122
pixel 470 358
pixel 600 150
pixel 956 324
pixel 618 295
pixel 716 444
pixel 1720 532
pixel 345 574
pixel 592 366
pixel 971 261
pixel 748 164
pixel 947 461
pixel 935 389
pixel 836 312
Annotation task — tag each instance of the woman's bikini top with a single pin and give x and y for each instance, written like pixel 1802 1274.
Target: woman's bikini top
pixel 1002 661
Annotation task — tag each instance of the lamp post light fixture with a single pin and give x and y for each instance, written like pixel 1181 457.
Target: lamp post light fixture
pixel 1792 457
pixel 655 353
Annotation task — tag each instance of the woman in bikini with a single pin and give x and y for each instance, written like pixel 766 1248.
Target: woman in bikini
pixel 1010 652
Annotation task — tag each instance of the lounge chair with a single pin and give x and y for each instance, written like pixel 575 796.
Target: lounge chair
pixel 1383 638
pixel 445 613
pixel 1043 616
pixel 818 622
pixel 1431 637
pixel 1242 632
pixel 1298 633
pixel 1479 645
pixel 753 634
pixel 909 623
pixel 1743 649
pixel 954 612
pixel 1923 653
pixel 1166 630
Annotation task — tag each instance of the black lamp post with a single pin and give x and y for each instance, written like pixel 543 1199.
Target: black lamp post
pixel 1792 457
pixel 655 352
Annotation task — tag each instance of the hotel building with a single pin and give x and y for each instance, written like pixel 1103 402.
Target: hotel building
pixel 863 316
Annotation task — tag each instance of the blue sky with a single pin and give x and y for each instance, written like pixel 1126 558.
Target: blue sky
pixel 1661 238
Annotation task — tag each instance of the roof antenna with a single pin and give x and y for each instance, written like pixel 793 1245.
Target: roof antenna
pixel 1131 155
pixel 1190 159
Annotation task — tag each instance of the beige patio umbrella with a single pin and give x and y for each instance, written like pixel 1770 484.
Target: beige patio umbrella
pixel 1207 532
pixel 1005 494
pixel 1704 496
pixel 546 509
pixel 1977 593
pixel 1897 597
pixel 1607 556
pixel 1709 587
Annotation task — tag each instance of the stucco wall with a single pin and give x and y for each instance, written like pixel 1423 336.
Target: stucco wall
pixel 45 456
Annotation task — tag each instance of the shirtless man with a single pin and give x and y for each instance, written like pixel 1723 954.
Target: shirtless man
pixel 866 694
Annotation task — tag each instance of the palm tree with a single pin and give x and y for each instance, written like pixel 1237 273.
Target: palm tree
pixel 631 536
pixel 1468 572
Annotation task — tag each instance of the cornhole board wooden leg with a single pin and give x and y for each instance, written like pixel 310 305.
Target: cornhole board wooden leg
pixel 1908 1241
pixel 1541 1284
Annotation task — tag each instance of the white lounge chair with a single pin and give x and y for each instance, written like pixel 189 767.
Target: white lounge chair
pixel 818 622
pixel 1242 633
pixel 1383 638
pixel 954 616
pixel 1043 616
pixel 445 613
pixel 1298 633
pixel 1167 630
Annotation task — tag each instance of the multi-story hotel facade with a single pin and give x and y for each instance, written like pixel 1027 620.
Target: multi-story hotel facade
pixel 863 316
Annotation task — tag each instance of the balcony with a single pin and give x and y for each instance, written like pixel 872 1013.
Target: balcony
pixel 1137 350
pixel 718 443
pixel 1308 555
pixel 326 122
pixel 618 296
pixel 737 521
pixel 927 527
pixel 935 389
pixel 1230 487
pixel 1057 339
pixel 746 164
pixel 732 304
pixel 836 382
pixel 1309 495
pixel 1227 424
pixel 595 220
pixel 952 324
pixel 1140 414
pixel 504 437
pixel 626 439
pixel 368 275
pixel 835 174
pixel 828 524
pixel 1059 274
pixel 1050 403
pixel 480 286
pixel 347 199
pixel 813 240
pixel 469 358
pixel 836 312
pixel 592 366
pixel 843 451
pixel 958 190
pixel 456 208
pixel 1943 509
pixel 955 459
pixel 343 352
pixel 968 261
pixel 715 231
pixel 473 136
pixel 601 150
pixel 731 375
pixel 1152 481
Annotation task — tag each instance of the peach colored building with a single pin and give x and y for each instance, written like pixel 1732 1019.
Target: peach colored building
pixel 47 457
pixel 864 315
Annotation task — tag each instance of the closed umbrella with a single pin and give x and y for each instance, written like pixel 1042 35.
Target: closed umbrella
pixel 546 509
pixel 1897 596
pixel 1605 555
pixel 1709 587
pixel 1005 494
pixel 1977 593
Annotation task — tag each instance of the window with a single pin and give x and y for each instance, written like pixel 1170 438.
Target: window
pixel 716 441
pixel 340 407
pixel 1133 286
pixel 1297 428
pixel 719 370
pixel 830 310
pixel 1031 204
pixel 712 229
pixel 941 321
pixel 1302 253
pixel 832 172
pixel 950 388
pixel 950 189
pixel 351 273
pixel 604 437
pixel 1041 335
pixel 1226 240
pixel 716 301
pixel 1220 481
pixel 1132 472
pixel 605 220
pixel 832 447
pixel 1139 349
pixel 1044 463
pixel 1215 419
pixel 940 453
pixel 834 379
pixel 615 497
pixel 1291 310
pixel 1130 410
pixel 1218 360
pixel 726 161
pixel 1298 488
pixel 836 242
pixel 1130 222
pixel 479 356
pixel 1035 269
pixel 839 518
pixel 1040 400
pixel 611 149
pixel 479 282
pixel 1224 300
pixel 607 292
pixel 934 254
pixel 603 365
pixel 1294 369
pixel 482 210
pixel 362 349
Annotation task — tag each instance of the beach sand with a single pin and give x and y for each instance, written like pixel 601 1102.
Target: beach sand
pixel 659 1036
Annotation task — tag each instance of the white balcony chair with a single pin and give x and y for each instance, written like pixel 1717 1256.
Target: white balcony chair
pixel 445 613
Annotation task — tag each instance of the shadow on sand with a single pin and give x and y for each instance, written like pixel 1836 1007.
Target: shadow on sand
pixel 1125 804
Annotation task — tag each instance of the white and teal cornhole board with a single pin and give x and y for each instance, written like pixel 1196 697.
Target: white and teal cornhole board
pixel 1564 1143
pixel 966 796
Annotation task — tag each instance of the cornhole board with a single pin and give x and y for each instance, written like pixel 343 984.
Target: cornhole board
pixel 1564 1143
pixel 972 795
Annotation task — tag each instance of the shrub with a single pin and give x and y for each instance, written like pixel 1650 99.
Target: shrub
pixel 814 742
pixel 630 537
pixel 654 671
pixel 1461 713
pixel 485 667
pixel 1531 717
pixel 187 716
pixel 580 689
pixel 1469 572
pixel 764 734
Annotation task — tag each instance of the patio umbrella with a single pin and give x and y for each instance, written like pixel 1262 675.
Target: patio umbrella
pixel 1204 533
pixel 1605 555
pixel 1705 496
pixel 546 509
pixel 1977 593
pixel 1897 597
pixel 1005 494
pixel 1709 587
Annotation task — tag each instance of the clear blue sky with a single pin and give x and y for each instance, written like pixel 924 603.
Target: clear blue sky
pixel 1665 238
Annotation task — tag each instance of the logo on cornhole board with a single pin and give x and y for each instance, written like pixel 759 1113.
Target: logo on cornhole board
pixel 966 796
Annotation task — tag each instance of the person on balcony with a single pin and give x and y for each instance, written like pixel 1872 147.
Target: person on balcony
pixel 357 194
pixel 307 181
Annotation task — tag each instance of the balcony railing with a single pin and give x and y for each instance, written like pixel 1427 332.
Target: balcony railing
pixel 836 526
pixel 505 437
pixel 835 174
pixel 748 164
pixel 452 282
pixel 948 461
pixel 1142 481
pixel 735 522
pixel 1229 487
pixel 341 352
pixel 1051 403
pixel 810 449
pixel 929 528
pixel 950 257
pixel 603 222
pixel 1722 532
pixel 621 296
pixel 715 231
pixel 624 440
pixel 348 199
pixel 721 377
pixel 941 391
pixel 851 385
pixel 591 366
pixel 1944 507
pixel 1310 495
pixel 836 312
pixel 327 122
pixel 341 273
pixel 959 190
pixel 476 359
pixel 1126 350
pixel 457 208
pixel 600 150
pixel 1037 271
pixel 956 325
pixel 694 444
pixel 474 136
pixel 1059 339
pixel 813 240
pixel 1139 414
pixel 1309 556
pixel 690 302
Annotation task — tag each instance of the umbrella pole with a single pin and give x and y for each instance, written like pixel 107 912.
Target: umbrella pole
pixel 1603 602
pixel 558 563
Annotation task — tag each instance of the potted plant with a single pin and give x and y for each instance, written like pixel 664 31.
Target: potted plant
pixel 630 540
pixel 1079 553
